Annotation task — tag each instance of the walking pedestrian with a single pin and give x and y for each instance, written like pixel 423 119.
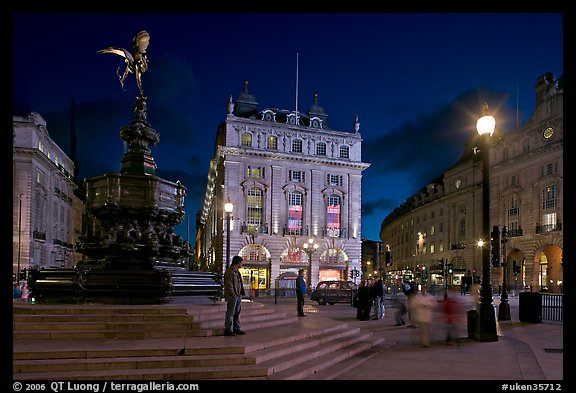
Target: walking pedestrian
pixel 451 310
pixel 300 292
pixel 233 292
pixel 400 311
pixel 410 289
pixel 423 305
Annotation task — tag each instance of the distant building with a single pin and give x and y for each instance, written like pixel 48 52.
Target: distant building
pixel 372 260
pixel 290 178
pixel 443 220
pixel 43 197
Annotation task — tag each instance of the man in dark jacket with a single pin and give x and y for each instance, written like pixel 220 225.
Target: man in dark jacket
pixel 233 292
pixel 364 302
pixel 378 299
pixel 300 292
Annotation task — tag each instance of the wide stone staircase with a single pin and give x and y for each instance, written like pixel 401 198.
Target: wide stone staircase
pixel 175 341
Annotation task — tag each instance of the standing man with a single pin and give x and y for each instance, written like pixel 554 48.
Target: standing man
pixel 233 292
pixel 300 292
pixel 379 299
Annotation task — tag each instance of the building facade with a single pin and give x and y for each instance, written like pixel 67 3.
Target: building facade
pixel 443 222
pixel 295 188
pixel 43 198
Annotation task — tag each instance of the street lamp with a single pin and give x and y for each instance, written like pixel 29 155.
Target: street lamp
pixel 486 322
pixel 310 247
pixel 228 207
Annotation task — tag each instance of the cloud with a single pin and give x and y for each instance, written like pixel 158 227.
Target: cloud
pixel 374 206
pixel 419 151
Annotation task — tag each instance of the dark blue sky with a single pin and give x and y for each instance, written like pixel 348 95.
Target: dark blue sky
pixel 416 81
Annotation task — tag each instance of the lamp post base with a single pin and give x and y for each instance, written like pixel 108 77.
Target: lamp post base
pixel 486 323
pixel 504 310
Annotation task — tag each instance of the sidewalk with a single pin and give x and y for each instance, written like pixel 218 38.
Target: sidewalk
pixel 524 351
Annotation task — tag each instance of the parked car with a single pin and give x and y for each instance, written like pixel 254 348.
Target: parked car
pixel 332 292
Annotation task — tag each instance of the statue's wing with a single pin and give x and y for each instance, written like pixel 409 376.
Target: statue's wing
pixel 120 52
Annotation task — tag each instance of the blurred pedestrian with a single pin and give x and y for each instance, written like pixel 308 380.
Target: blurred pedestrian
pixel 409 289
pixel 233 292
pixel 451 312
pixel 300 292
pixel 16 291
pixel 400 311
pixel 423 305
pixel 475 293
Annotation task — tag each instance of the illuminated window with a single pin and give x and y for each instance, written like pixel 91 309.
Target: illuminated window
pixel 255 172
pixel 333 216
pixel 549 200
pixel 295 207
pixel 272 142
pixel 246 139
pixel 293 255
pixel 255 209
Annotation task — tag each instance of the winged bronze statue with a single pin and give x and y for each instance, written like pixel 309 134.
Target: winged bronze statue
pixel 136 61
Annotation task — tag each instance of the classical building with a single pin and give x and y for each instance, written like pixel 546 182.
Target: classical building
pixel 294 185
pixel 442 222
pixel 43 198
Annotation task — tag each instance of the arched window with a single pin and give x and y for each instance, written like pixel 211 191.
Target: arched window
pixel 333 255
pixel 294 255
pixel 254 252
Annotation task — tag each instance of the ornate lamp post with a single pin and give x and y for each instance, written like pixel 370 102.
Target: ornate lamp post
pixel 310 247
pixel 486 323
pixel 228 207
pixel 504 308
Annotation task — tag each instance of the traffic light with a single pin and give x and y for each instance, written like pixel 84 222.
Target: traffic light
pixel 496 244
pixel 388 258
pixel 450 270
pixel 441 262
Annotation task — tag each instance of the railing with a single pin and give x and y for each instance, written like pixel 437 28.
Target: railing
pixel 552 307
pixel 548 228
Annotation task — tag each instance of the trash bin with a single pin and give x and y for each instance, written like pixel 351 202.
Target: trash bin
pixel 472 319
pixel 530 307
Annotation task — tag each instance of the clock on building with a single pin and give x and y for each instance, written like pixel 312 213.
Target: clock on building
pixel 548 132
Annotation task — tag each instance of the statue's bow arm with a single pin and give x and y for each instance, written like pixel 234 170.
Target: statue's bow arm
pixel 120 52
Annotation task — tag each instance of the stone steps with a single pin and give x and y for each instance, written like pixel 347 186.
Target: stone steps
pixel 276 346
pixel 136 322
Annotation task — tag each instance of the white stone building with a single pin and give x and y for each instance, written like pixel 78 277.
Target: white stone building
pixel 443 221
pixel 42 197
pixel 290 179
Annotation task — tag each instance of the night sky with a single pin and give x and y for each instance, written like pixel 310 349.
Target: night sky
pixel 416 81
